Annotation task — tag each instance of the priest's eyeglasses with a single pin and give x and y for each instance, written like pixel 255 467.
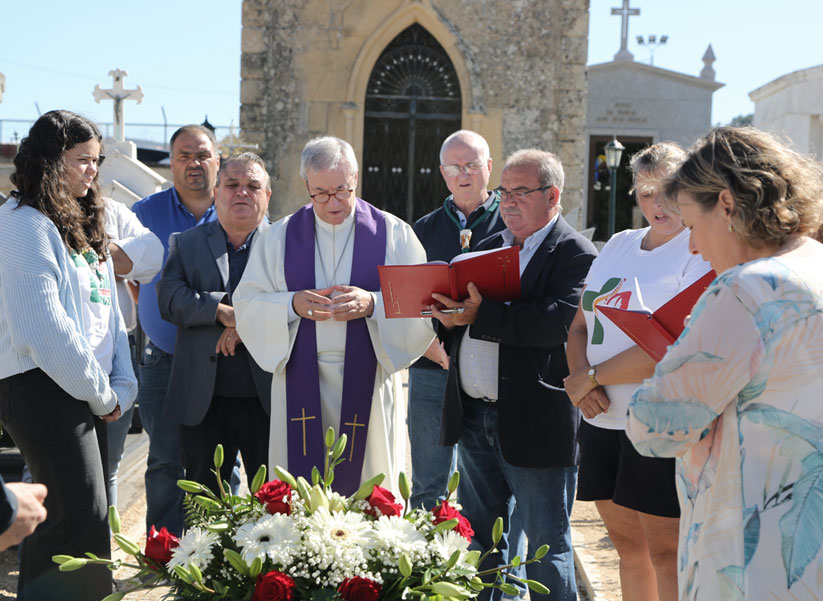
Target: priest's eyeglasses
pixel 518 195
pixel 469 168
pixel 322 197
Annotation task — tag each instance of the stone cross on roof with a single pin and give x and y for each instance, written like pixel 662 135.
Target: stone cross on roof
pixel 118 94
pixel 625 12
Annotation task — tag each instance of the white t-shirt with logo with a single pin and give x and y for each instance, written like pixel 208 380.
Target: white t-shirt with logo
pixel 613 280
pixel 95 290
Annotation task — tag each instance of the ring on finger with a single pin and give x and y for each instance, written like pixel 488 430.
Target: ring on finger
pixel 310 312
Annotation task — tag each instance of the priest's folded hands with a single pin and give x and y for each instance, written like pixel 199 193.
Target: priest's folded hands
pixel 341 303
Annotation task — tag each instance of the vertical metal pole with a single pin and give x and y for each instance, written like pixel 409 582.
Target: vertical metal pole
pixel 612 200
pixel 410 162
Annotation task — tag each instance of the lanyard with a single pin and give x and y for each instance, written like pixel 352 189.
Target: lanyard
pixel 450 212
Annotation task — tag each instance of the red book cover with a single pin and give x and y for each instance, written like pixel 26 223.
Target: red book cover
pixel 653 332
pixel 407 289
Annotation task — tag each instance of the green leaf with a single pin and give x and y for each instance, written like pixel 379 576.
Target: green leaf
pixel 404 565
pixel 114 520
pixel 444 526
pixel 75 563
pixel 497 530
pixel 114 597
pixel 453 560
pixel 541 551
pixel 509 589
pixel 207 503
pixel 256 567
pixel 473 557
pixel 427 576
pixel 404 485
pixel 285 476
pixel 476 584
pixel 195 572
pixel 367 487
pixel 236 561
pixel 329 438
pixel 218 527
pixel 190 486
pixel 127 545
pixel 537 587
pixel 220 588
pixel 454 480
pixel 339 447
pixel 259 479
pixel 218 456
pixel 183 574
pixel 516 561
pixel 448 589
pixel 61 559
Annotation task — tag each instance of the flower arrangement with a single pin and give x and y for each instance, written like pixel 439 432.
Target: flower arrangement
pixel 291 540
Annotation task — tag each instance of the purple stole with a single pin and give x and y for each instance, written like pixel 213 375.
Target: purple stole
pixel 304 428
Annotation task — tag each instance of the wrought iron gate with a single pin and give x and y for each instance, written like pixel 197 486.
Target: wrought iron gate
pixel 412 104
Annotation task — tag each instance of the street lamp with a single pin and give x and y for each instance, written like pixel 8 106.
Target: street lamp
pixel 614 152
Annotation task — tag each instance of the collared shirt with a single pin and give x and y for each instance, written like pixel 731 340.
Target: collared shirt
pixel 478 359
pixel 463 218
pixel 164 214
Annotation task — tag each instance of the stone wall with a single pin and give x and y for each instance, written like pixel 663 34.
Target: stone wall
pixel 521 66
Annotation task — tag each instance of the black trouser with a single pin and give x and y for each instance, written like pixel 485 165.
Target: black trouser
pixel 236 423
pixel 64 446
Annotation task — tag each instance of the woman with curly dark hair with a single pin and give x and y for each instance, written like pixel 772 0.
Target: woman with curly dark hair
pixel 64 357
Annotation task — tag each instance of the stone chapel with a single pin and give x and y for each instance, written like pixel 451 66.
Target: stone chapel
pixel 395 77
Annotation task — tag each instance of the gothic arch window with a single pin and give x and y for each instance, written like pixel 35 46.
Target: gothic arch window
pixel 412 104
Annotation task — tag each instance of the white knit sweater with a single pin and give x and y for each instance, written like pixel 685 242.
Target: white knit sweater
pixel 41 315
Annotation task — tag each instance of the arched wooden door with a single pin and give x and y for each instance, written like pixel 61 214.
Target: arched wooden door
pixel 412 104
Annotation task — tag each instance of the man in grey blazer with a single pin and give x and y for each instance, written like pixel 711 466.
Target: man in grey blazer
pixel 216 391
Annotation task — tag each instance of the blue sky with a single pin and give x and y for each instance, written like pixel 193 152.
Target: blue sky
pixel 185 54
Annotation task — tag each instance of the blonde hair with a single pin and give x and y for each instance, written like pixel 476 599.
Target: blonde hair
pixel 654 164
pixel 777 192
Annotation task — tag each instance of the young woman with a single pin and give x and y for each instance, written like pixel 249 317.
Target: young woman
pixel 64 357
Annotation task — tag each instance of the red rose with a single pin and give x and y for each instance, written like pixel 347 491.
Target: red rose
pixel 445 512
pixel 382 502
pixel 159 546
pixel 273 586
pixel 271 494
pixel 359 589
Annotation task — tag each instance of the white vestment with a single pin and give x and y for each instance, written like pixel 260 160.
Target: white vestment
pixel 262 303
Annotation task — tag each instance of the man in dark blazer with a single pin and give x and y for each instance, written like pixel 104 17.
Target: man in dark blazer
pixel 216 391
pixel 504 399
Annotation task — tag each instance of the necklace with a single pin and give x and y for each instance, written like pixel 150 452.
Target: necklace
pixel 450 212
pixel 333 280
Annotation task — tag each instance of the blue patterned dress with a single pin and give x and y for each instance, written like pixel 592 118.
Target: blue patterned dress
pixel 739 400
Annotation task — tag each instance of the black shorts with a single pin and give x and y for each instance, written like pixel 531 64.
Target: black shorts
pixel 612 470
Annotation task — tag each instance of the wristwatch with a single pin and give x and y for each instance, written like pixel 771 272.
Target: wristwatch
pixel 592 373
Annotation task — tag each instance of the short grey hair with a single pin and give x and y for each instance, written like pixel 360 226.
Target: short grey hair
pixel 549 168
pixel 246 158
pixel 468 137
pixel 325 153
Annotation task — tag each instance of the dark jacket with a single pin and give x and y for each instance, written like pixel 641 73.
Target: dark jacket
pixel 537 422
pixel 194 281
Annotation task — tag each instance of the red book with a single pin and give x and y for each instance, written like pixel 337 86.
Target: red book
pixel 407 289
pixel 653 332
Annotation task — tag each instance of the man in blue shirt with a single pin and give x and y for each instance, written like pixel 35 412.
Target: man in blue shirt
pixel 190 201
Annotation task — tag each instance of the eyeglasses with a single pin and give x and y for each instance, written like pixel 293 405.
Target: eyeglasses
pixel 518 194
pixel 469 168
pixel 322 197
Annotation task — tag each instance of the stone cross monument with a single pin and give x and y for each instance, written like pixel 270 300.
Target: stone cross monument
pixel 625 12
pixel 118 94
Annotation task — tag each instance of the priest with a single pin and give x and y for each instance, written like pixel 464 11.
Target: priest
pixel 309 310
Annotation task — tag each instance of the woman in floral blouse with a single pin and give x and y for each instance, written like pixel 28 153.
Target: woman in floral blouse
pixel 737 399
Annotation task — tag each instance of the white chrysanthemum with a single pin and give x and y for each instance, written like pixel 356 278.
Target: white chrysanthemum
pixel 446 543
pixel 195 548
pixel 338 528
pixel 395 536
pixel 272 536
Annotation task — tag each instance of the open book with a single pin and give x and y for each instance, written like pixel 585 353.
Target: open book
pixel 653 332
pixel 407 289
